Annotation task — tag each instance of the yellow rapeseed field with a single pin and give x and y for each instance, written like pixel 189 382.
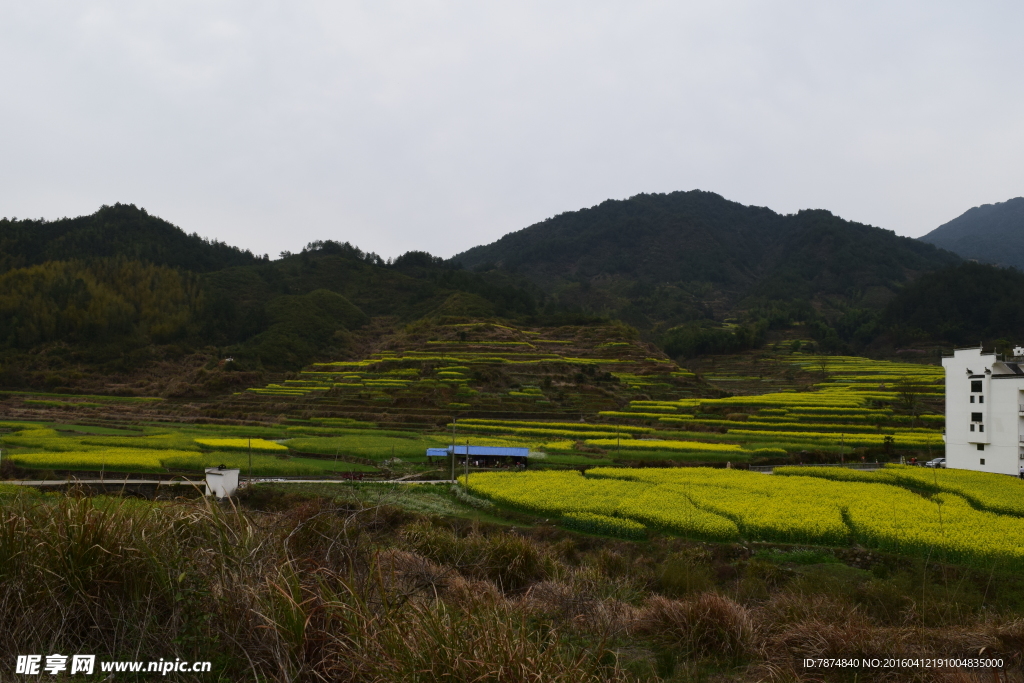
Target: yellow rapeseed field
pixel 134 459
pixel 722 504
pixel 665 445
pixel 242 444
pixel 991 492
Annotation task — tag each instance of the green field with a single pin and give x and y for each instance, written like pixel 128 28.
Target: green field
pixel 369 445
pixel 62 447
pixel 859 407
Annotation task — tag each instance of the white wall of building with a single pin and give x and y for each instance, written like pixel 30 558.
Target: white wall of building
pixel 982 399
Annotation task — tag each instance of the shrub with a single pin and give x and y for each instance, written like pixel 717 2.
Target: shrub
pixel 708 625
pixel 508 559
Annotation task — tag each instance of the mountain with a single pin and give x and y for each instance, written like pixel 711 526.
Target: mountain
pixel 961 305
pixel 657 260
pixel 245 306
pixel 119 291
pixel 122 231
pixel 990 233
pixel 112 291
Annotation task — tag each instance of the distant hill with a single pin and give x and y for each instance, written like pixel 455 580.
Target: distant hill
pixel 662 259
pixel 122 231
pixel 961 305
pixel 252 309
pixel 104 293
pixel 990 233
pixel 121 290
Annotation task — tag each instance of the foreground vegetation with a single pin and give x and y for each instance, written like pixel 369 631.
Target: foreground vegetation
pixel 355 584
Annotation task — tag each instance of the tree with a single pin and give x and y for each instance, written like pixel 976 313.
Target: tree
pixel 910 395
pixel 823 366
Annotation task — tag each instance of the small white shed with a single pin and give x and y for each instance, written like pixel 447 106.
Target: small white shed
pixel 222 483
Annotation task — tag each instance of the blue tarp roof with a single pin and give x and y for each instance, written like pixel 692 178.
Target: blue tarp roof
pixel 479 450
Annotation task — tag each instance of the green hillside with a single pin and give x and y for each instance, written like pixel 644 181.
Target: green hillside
pixel 662 259
pixel 962 305
pixel 125 301
pixel 84 300
pixel 990 233
pixel 118 231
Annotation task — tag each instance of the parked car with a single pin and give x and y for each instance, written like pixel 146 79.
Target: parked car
pixel 936 462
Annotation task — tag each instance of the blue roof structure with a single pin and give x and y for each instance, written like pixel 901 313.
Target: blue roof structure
pixel 479 450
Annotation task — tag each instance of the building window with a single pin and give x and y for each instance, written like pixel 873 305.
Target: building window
pixel 981 399
pixel 976 385
pixel 975 417
pixel 972 426
pixel 972 398
pixel 981 428
pixel 982 461
pixel 981 447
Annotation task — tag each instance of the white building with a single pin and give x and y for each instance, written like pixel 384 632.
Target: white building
pixel 984 411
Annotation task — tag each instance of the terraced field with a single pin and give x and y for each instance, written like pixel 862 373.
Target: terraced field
pixel 857 407
pixel 485 369
pixel 576 396
pixel 599 396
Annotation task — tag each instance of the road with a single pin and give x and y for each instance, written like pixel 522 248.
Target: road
pixel 202 482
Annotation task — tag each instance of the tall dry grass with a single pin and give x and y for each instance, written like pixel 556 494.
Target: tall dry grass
pixel 327 591
pixel 307 595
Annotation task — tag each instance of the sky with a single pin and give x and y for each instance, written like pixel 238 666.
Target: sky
pixel 438 126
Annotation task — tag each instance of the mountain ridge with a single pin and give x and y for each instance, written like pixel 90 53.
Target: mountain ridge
pixel 692 271
pixel 990 233
pixel 698 245
pixel 119 230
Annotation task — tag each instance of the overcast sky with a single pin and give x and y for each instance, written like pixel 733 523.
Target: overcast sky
pixel 441 125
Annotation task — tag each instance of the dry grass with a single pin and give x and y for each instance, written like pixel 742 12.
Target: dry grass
pixel 323 591
pixel 707 625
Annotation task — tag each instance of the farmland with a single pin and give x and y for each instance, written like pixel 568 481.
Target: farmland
pixel 574 396
pixel 856 409
pixel 588 566
pixel 967 519
pixel 189 450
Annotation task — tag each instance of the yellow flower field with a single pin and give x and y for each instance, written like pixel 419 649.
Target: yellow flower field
pixel 112 458
pixel 665 445
pixel 242 445
pixel 995 493
pixel 722 504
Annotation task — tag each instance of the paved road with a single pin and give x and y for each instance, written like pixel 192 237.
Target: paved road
pixel 202 482
pixel 106 482
pixel 257 480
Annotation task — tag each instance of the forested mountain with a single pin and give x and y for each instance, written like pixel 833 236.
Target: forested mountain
pixel 991 233
pixel 694 272
pixel 662 259
pixel 962 305
pixel 128 303
pixel 104 290
pixel 118 231
pixel 257 311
